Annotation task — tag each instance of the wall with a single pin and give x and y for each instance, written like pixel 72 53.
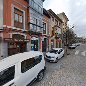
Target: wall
pixel 3 50
pixel 1 14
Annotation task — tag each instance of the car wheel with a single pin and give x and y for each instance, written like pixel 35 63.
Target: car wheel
pixel 56 60
pixel 63 55
pixel 40 76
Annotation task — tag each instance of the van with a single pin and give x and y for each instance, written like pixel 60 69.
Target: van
pixel 21 69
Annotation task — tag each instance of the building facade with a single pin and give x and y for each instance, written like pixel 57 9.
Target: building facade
pixel 55 30
pixel 14 37
pixel 64 26
pixel 45 34
pixel 36 23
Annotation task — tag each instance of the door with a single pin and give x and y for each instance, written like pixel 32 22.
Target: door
pixel 44 45
pixel 27 72
pixel 61 53
pixel 34 45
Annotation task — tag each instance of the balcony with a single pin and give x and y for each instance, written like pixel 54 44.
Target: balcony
pixel 35 29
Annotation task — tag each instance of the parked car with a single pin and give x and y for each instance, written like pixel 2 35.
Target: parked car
pixel 78 44
pixel 22 68
pixel 72 46
pixel 54 54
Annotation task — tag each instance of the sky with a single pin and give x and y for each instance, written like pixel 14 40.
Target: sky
pixel 75 11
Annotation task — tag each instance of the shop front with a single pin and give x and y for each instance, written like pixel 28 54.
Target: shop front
pixel 16 47
pixel 16 44
pixel 34 43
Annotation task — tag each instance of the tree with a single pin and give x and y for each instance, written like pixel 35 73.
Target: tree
pixel 70 37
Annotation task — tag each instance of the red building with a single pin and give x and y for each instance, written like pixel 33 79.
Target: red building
pixel 14 35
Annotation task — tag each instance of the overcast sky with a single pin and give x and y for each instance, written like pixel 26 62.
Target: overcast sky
pixel 74 9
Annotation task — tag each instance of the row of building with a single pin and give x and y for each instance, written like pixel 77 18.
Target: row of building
pixel 25 25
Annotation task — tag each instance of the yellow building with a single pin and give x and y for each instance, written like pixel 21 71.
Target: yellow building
pixel 55 30
pixel 65 21
pixel 65 26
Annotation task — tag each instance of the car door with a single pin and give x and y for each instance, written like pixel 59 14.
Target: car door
pixel 59 54
pixel 27 72
pixel 62 52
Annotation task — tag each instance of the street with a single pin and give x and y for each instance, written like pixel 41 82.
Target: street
pixel 68 71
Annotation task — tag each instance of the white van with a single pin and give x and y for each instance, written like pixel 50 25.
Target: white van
pixel 22 68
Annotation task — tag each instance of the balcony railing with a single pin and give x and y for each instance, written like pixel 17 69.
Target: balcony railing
pixel 35 28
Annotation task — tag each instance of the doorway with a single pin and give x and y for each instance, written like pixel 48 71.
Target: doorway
pixel 34 45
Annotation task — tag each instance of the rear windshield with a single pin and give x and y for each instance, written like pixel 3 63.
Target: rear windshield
pixel 7 75
pixel 53 51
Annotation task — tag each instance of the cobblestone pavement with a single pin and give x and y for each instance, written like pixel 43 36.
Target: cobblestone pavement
pixel 69 71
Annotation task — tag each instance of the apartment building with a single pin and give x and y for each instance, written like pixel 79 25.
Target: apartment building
pixel 55 30
pixel 46 31
pixel 14 18
pixel 36 23
pixel 65 20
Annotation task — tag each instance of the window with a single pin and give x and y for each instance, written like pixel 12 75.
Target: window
pixel 61 50
pixel 38 59
pixel 52 18
pixel 59 24
pixel 16 17
pixel 56 22
pixel 7 75
pixel 44 28
pixel 31 26
pixel 53 51
pixel 20 19
pixel 29 63
pixel 35 6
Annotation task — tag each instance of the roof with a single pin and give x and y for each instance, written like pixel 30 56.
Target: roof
pixel 56 16
pixel 11 60
pixel 45 12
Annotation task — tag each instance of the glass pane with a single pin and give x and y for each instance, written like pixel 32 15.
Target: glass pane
pixel 27 64
pixel 21 19
pixel 7 75
pixel 16 17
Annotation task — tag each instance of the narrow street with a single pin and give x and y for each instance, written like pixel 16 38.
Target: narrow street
pixel 68 71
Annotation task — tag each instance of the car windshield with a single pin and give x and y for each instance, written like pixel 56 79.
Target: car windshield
pixel 53 51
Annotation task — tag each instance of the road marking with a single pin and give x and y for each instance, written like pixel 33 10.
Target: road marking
pixel 77 52
pixel 83 53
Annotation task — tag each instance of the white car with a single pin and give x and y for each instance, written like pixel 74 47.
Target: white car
pixel 21 69
pixel 72 46
pixel 54 54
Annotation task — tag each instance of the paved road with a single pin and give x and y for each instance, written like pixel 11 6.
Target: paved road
pixel 69 71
